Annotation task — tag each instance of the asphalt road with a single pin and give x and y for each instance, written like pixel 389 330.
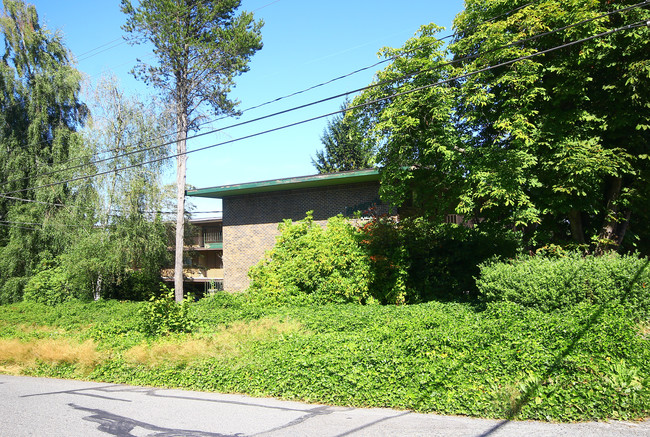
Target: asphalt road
pixel 50 407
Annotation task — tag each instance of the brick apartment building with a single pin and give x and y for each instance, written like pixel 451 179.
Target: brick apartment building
pixel 252 212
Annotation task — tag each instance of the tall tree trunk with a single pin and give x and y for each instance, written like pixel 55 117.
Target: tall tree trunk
pixel 180 205
pixel 577 231
pixel 615 223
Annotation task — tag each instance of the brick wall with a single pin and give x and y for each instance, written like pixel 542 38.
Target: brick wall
pixel 250 222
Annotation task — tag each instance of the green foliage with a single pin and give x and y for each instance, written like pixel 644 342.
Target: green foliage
pixel 345 145
pixel 416 260
pixel 137 285
pixel 387 261
pixel 40 113
pixel 50 285
pixel 200 48
pixel 12 290
pixel 128 249
pixel 555 144
pixel 70 316
pixel 586 362
pixel 314 263
pixel 419 148
pixel 551 283
pixel 162 315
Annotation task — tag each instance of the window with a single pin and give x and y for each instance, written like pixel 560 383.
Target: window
pixel 212 234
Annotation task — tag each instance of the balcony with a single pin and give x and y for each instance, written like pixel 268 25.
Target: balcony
pixel 210 237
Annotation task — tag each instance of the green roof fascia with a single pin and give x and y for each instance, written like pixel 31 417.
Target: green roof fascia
pixel 319 180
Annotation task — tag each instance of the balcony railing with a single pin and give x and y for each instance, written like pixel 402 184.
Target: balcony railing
pixel 212 235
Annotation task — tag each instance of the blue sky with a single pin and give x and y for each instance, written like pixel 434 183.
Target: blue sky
pixel 306 42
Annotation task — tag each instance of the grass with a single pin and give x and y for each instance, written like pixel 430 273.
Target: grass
pixel 501 361
pixel 227 343
pixel 21 355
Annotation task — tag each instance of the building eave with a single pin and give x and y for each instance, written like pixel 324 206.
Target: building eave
pixel 312 181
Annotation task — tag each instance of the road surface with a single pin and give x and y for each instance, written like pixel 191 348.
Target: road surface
pixel 51 407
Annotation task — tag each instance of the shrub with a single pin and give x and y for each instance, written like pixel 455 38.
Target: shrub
pixel 162 315
pixel 419 260
pixel 50 285
pixel 135 285
pixel 563 281
pixel 12 290
pixel 309 262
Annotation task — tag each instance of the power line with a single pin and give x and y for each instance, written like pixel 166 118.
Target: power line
pixel 407 76
pixel 14 225
pixel 81 59
pixel 270 101
pixel 31 201
pixel 143 212
pixel 438 83
pixel 86 55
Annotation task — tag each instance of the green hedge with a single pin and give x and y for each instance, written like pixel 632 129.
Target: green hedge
pixel 559 282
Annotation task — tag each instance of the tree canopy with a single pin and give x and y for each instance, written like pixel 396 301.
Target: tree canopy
pixel 40 113
pixel 518 125
pixel 200 47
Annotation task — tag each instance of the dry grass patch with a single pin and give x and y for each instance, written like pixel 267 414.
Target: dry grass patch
pixel 14 352
pixel 644 329
pixel 228 343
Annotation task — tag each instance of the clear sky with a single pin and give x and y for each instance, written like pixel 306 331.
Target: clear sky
pixel 306 42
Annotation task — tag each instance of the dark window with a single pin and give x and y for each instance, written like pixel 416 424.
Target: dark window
pixel 212 234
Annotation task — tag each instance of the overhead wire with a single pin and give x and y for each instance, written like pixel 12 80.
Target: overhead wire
pixel 438 83
pixel 451 62
pixel 17 225
pixel 311 88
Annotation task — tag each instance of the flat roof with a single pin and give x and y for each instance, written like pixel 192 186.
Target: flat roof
pixel 318 180
pixel 215 218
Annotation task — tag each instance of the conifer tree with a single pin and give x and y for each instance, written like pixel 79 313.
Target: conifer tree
pixel 200 47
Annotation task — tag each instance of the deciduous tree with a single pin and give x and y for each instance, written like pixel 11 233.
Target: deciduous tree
pixel 40 113
pixel 129 137
pixel 555 144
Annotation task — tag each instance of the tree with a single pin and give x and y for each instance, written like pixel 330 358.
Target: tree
pixel 555 145
pixel 40 113
pixel 420 151
pixel 200 47
pixel 129 235
pixel 345 148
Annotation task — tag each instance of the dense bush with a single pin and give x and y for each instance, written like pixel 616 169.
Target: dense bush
pixel 550 283
pixel 162 315
pixel 309 262
pixel 50 285
pixel 12 290
pixel 418 260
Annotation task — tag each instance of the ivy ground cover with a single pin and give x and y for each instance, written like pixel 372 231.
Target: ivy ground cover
pixel 590 362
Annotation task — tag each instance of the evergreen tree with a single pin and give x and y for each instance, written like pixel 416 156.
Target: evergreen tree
pixel 200 46
pixel 345 146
